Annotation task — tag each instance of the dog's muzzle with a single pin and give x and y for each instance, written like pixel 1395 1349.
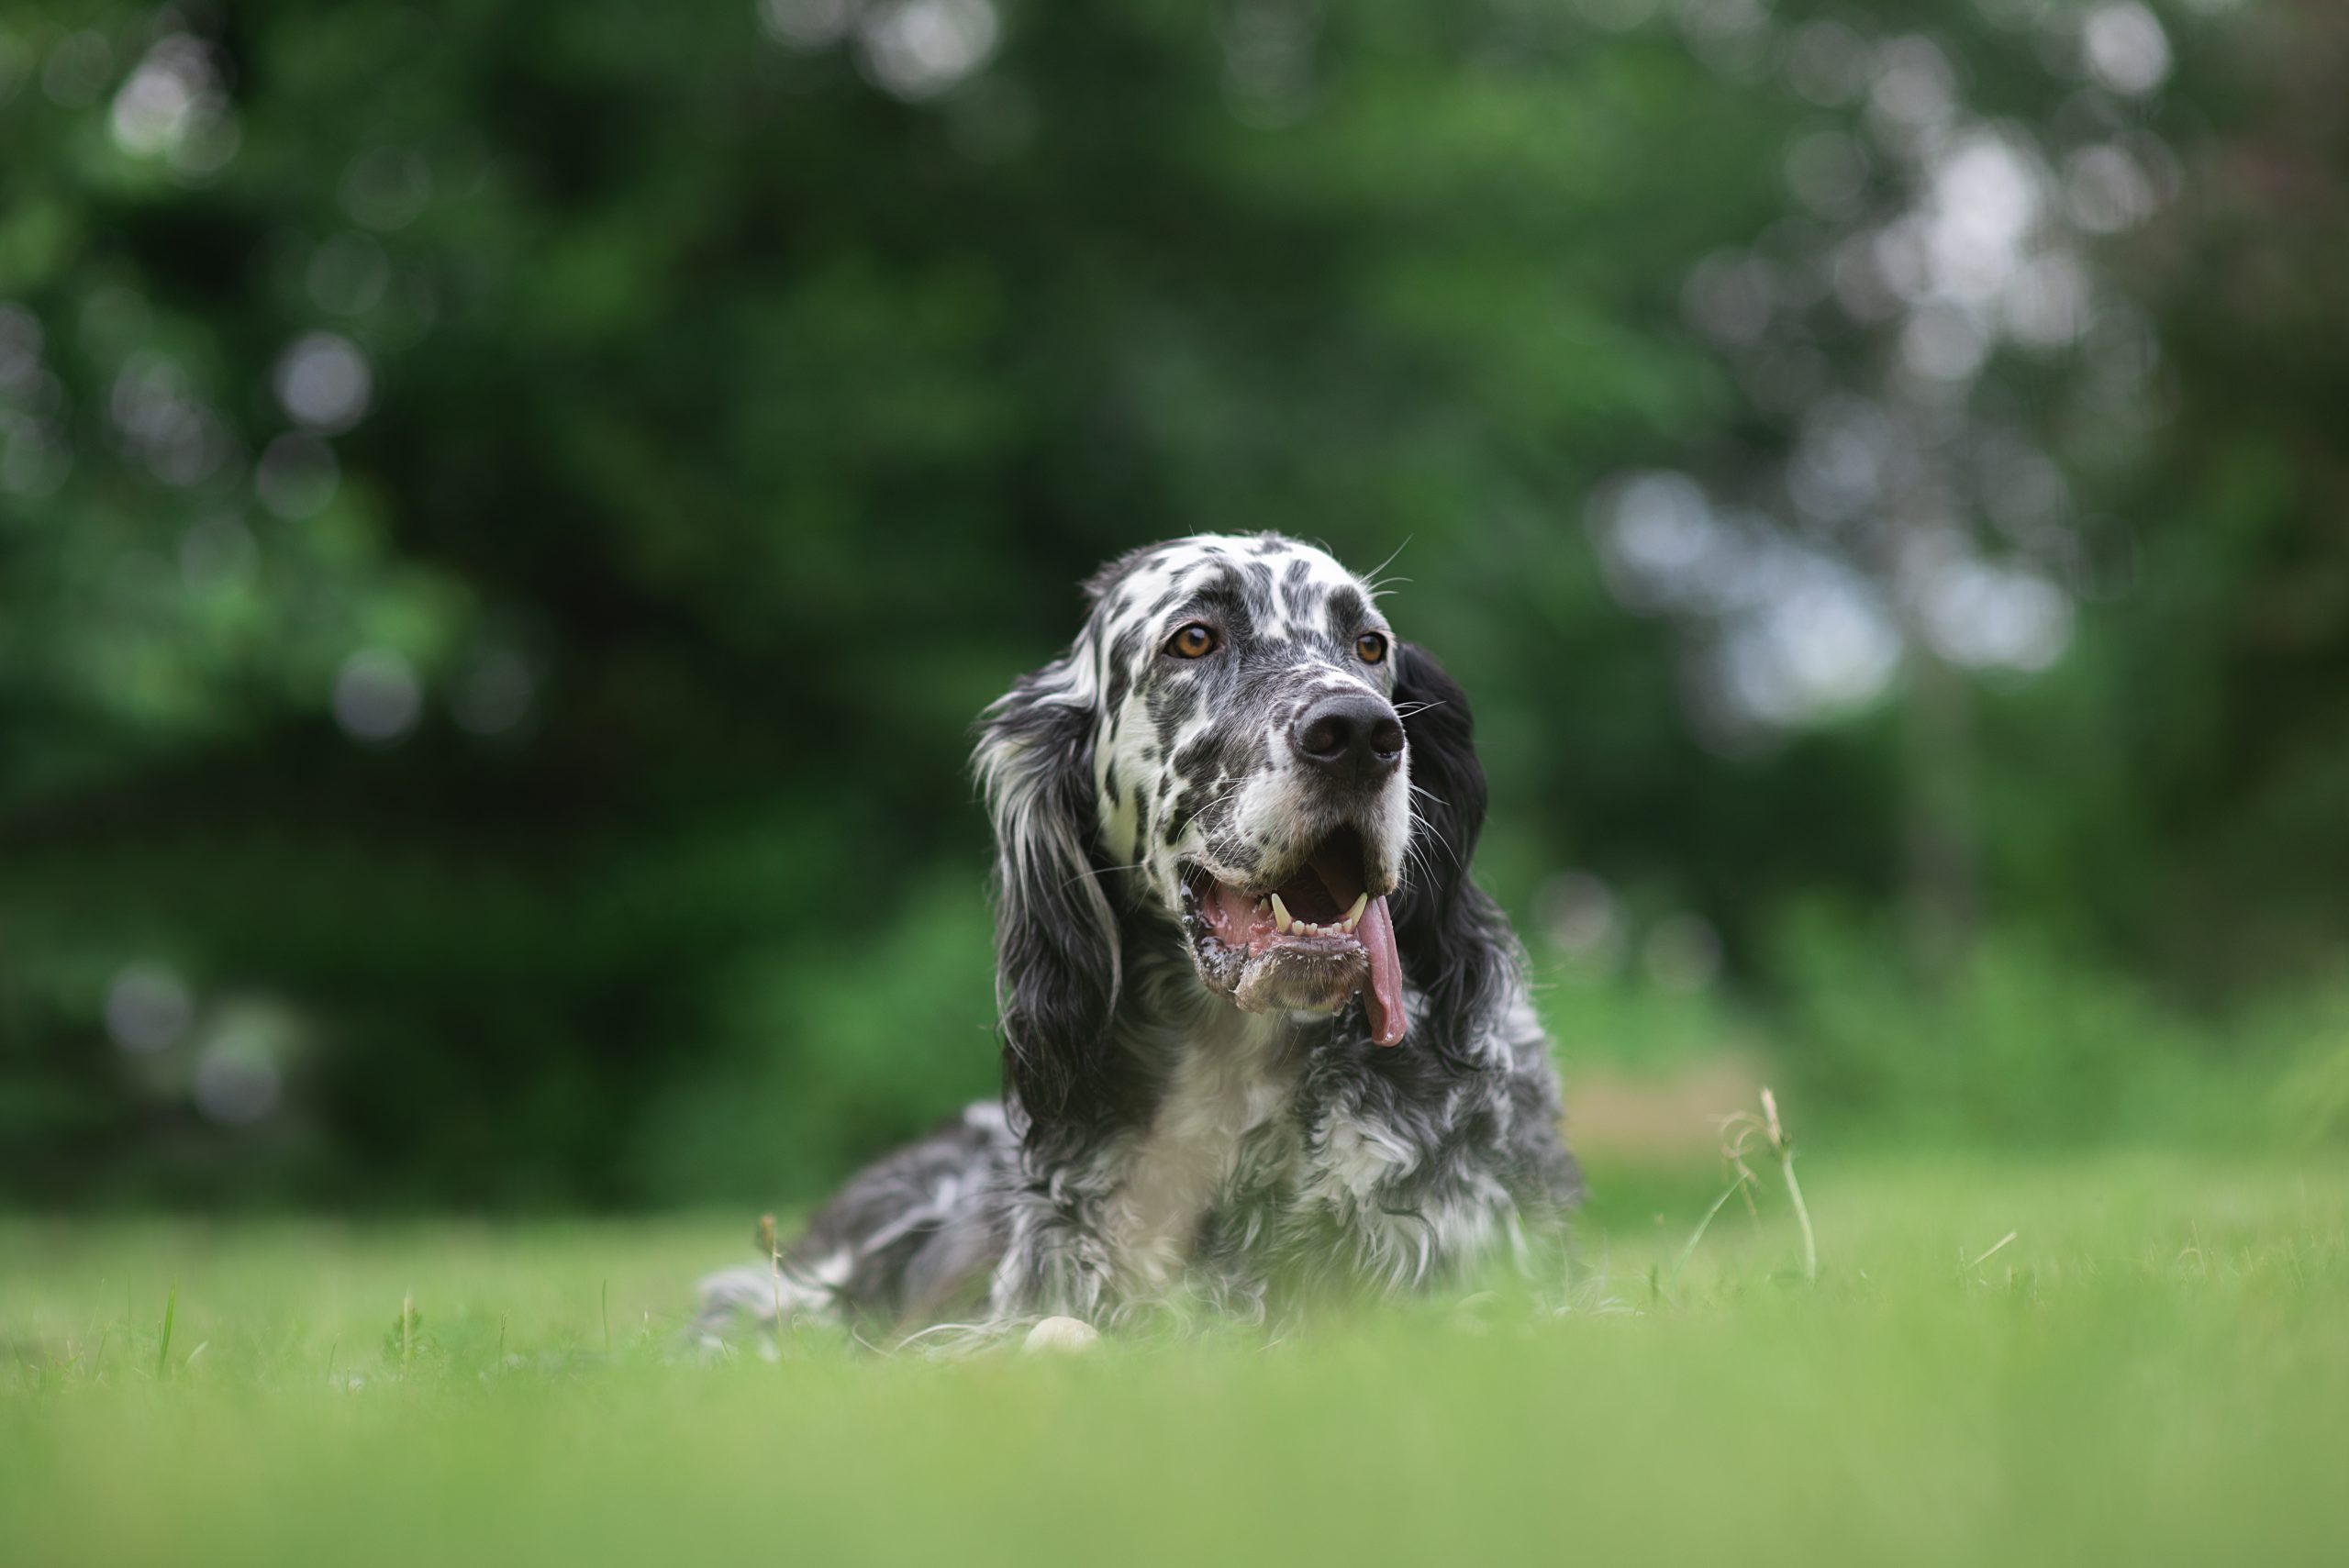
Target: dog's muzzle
pixel 1310 940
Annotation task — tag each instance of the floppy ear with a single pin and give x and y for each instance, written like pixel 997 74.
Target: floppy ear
pixel 1453 939
pixel 1057 947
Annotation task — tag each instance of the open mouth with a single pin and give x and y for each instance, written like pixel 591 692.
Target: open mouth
pixel 1310 942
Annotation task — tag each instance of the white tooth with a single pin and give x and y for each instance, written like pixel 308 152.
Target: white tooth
pixel 1281 922
pixel 1353 915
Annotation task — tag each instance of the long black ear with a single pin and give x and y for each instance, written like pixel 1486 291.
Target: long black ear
pixel 1454 941
pixel 1057 945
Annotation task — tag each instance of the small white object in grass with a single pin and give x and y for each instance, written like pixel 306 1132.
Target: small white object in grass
pixel 1063 1334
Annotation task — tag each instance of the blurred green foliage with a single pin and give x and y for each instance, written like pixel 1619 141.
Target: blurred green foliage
pixel 507 511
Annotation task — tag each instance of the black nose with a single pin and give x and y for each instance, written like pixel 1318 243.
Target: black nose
pixel 1351 738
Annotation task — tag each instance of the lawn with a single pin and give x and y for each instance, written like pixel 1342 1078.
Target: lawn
pixel 2154 1368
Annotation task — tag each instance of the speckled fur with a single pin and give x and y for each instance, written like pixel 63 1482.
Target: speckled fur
pixel 1157 1148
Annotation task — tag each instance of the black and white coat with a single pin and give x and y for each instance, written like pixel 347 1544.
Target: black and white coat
pixel 1214 814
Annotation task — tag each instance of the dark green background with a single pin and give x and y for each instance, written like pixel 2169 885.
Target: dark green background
pixel 755 415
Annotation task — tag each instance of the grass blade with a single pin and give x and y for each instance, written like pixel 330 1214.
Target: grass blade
pixel 1995 1249
pixel 1689 1251
pixel 163 1350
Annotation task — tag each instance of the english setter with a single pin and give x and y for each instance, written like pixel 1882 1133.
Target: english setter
pixel 1261 1035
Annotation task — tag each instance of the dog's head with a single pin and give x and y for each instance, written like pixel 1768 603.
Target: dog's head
pixel 1237 753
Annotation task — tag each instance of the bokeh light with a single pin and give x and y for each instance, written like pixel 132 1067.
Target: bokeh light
pixel 148 1009
pixel 325 381
pixel 237 1080
pixel 377 697
pixel 2127 49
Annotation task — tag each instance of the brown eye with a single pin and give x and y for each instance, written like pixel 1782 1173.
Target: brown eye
pixel 1196 640
pixel 1372 647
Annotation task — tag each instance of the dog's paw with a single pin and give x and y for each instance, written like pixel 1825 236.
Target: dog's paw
pixel 1068 1336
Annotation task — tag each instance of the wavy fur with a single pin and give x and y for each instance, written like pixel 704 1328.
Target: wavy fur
pixel 1158 1148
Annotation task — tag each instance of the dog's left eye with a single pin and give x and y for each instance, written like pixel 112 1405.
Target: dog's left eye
pixel 1371 647
pixel 1196 640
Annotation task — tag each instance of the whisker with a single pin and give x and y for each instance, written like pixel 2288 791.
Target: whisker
pixel 1439 838
pixel 1096 871
pixel 1378 583
pixel 1417 869
pixel 1212 804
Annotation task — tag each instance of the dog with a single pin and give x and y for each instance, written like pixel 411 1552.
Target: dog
pixel 1262 1039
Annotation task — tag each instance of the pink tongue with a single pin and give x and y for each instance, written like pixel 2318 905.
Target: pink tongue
pixel 1384 1001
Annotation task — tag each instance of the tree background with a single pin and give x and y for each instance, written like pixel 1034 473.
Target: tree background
pixel 508 512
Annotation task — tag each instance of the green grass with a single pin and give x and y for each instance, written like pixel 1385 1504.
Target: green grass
pixel 2156 1369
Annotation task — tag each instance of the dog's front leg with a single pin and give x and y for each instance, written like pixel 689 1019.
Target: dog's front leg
pixel 1056 1263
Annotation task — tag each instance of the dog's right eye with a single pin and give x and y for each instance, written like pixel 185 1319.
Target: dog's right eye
pixel 1196 640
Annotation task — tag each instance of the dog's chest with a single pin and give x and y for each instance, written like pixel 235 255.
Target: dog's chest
pixel 1224 1119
